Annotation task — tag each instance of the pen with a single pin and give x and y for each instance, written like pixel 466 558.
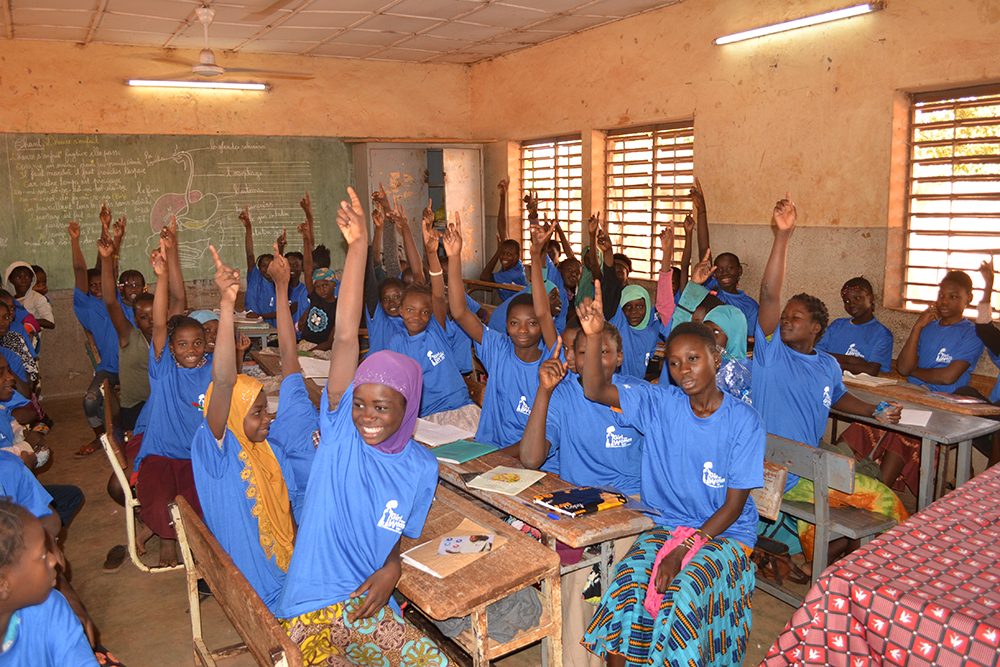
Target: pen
pixel 551 515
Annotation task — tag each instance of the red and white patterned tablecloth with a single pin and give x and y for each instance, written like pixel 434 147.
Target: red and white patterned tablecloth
pixel 925 593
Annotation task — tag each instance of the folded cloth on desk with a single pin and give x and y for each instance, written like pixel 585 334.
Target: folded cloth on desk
pixel 870 380
pixel 507 617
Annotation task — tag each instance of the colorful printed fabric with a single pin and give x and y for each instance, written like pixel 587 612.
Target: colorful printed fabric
pixel 704 618
pixel 868 495
pixel 864 440
pixel 925 593
pixel 327 638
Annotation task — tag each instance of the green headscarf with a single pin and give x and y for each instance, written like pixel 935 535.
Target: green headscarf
pixel 549 286
pixel 734 324
pixel 633 292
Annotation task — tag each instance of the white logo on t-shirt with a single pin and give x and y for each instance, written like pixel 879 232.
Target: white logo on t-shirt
pixel 435 357
pixel 854 352
pixel 647 358
pixel 710 478
pixel 390 520
pixel 943 357
pixel 523 407
pixel 827 399
pixel 613 440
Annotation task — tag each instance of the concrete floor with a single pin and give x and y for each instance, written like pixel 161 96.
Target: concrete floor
pixel 143 618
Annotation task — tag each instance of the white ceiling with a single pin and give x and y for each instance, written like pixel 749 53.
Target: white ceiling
pixel 423 31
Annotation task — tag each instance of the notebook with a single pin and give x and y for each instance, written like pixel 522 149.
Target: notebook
pixel 582 500
pixel 461 451
pixel 427 557
pixel 434 435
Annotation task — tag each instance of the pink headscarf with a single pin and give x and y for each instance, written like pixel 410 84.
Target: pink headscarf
pixel 402 374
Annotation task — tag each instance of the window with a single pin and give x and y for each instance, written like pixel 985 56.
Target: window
pixel 552 168
pixel 953 189
pixel 648 173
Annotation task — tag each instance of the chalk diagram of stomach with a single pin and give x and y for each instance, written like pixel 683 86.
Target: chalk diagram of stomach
pixel 194 211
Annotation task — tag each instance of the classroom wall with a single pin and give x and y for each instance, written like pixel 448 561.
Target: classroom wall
pixel 809 111
pixel 65 88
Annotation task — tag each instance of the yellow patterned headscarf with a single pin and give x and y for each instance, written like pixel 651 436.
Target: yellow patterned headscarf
pixel 266 488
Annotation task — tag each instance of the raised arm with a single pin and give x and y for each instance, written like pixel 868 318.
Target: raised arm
pixel 224 361
pixel 344 358
pixel 280 273
pixel 701 215
pixel 664 282
pixel 378 219
pixel 539 296
pixel 248 239
pixel 596 387
pixel 160 297
pixel 491 263
pixel 110 293
pixel 784 217
pixel 985 329
pixel 79 263
pixel 564 242
pixel 502 233
pixel 439 303
pixel 534 447
pixel 593 227
pixel 398 217
pixel 178 295
pixel 609 277
pixel 308 240
pixel 456 297
pixel 686 252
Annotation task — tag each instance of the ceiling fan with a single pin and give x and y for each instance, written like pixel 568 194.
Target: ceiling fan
pixel 206 65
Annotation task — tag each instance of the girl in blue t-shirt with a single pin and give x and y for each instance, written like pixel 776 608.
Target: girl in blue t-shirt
pixel 179 375
pixel 794 386
pixel 640 329
pixel 703 453
pixel 428 340
pixel 859 343
pixel 370 484
pixel 38 626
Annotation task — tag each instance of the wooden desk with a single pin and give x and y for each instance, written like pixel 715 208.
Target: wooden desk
pixel 599 528
pixel 519 563
pixel 271 364
pixel 906 391
pixel 254 332
pixel 486 285
pixel 945 427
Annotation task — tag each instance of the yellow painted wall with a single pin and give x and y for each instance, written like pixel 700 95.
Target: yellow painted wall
pixel 65 88
pixel 809 110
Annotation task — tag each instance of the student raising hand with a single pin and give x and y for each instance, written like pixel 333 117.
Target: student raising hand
pixel 227 280
pixel 552 370
pixel 453 237
pixel 345 350
pixel 591 313
pixel 704 269
pixel 785 213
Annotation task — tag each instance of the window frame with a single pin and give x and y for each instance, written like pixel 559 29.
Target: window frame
pixel 569 216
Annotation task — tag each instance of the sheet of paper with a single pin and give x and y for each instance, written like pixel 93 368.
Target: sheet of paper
pixel 425 557
pixel 911 417
pixel 314 368
pixel 508 481
pixel 433 435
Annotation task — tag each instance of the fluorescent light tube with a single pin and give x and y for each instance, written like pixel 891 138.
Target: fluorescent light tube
pixel 801 23
pixel 215 85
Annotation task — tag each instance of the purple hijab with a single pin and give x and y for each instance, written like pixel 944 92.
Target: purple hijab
pixel 398 372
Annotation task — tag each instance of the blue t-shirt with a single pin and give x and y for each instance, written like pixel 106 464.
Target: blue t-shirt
pixel 432 348
pixel 747 305
pixel 638 345
pixel 551 273
pixel 381 327
pixel 512 276
pixel 173 411
pixel 261 296
pixel 293 428
pixel 222 475
pixel 47 635
pixel 93 316
pixel 939 346
pixel 358 503
pixel 870 341
pixel 510 390
pixel 793 392
pixel 300 295
pixel 15 363
pixel 17 482
pixel 595 448
pixel 689 462
pixel 461 345
pixel 498 318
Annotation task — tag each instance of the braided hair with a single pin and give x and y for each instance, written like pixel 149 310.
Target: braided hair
pixel 816 308
pixel 182 322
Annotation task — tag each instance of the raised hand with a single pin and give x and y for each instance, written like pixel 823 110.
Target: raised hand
pixel 158 260
pixel 531 200
pixel 118 230
pixel 688 225
pixel 106 248
pixel 697 196
pixel 105 215
pixel 604 242
pixel 986 270
pixel 245 217
pixel 282 240
pixel 398 216
pixel 453 237
pixel 227 280
pixel 539 239
pixel 351 219
pixel 381 199
pixel 278 269
pixel 431 235
pixel 552 371
pixel 427 217
pixel 594 224
pixel 242 345
pixel 666 237
pixel 591 312
pixel 503 185
pixel 168 235
pixel 74 230
pixel 703 270
pixel 378 218
pixel 785 213
pixel 306 205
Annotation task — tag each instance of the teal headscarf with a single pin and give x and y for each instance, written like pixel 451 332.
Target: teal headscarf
pixel 633 292
pixel 734 324
pixel 549 286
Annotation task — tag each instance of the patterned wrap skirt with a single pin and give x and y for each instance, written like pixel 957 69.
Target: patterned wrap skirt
pixel 705 615
pixel 328 638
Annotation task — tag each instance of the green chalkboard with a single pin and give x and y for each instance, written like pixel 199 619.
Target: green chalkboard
pixel 48 179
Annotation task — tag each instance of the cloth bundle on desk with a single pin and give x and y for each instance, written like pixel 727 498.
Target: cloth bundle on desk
pixel 506 617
